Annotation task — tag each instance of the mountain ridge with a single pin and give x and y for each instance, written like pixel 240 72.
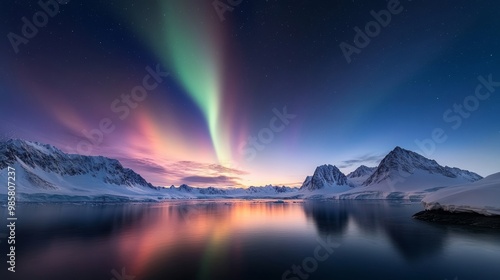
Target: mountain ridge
pixel 361 171
pixel 51 159
pixel 46 170
pixel 400 162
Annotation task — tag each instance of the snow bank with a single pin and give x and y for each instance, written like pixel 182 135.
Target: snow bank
pixel 481 197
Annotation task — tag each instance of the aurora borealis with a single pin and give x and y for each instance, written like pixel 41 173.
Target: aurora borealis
pixel 226 79
pixel 193 53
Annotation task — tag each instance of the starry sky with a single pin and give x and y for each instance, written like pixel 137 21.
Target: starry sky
pixel 239 93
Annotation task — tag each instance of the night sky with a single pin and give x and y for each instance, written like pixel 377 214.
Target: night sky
pixel 260 93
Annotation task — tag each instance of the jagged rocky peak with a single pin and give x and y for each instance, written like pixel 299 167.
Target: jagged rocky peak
pixel 361 171
pixel 26 151
pixel 185 188
pixel 400 156
pixel 401 161
pixel 325 176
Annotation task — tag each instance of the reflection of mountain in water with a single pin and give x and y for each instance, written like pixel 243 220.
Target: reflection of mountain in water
pixel 411 238
pixel 329 217
pixel 51 222
pixel 414 243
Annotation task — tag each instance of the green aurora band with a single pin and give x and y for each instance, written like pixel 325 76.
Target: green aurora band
pixel 188 42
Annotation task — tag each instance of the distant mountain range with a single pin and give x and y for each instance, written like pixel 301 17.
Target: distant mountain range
pixel 268 191
pixel 47 174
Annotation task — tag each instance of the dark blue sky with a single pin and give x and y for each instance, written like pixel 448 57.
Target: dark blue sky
pixel 228 78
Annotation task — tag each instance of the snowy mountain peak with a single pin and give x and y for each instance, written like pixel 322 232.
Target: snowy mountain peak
pixel 361 171
pixel 10 148
pixel 325 176
pixel 402 156
pixel 41 161
pixel 400 162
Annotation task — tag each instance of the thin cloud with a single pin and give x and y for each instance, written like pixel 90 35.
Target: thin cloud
pixel 365 159
pixel 203 174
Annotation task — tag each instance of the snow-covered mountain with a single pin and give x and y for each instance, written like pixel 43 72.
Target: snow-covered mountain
pixel 400 163
pixel 32 155
pixel 358 176
pixel 325 177
pixel 406 174
pixel 481 197
pixel 402 174
pixel 43 170
pixel 361 171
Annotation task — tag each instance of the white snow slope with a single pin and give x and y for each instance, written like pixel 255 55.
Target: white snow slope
pixel 481 197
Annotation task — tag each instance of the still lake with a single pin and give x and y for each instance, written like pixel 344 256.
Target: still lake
pixel 245 239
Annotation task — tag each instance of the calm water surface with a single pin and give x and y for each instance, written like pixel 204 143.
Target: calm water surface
pixel 245 240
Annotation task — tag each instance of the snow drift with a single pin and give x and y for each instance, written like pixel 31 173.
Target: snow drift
pixel 482 197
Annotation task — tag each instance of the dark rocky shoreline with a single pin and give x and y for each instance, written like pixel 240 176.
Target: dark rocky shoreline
pixel 466 219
